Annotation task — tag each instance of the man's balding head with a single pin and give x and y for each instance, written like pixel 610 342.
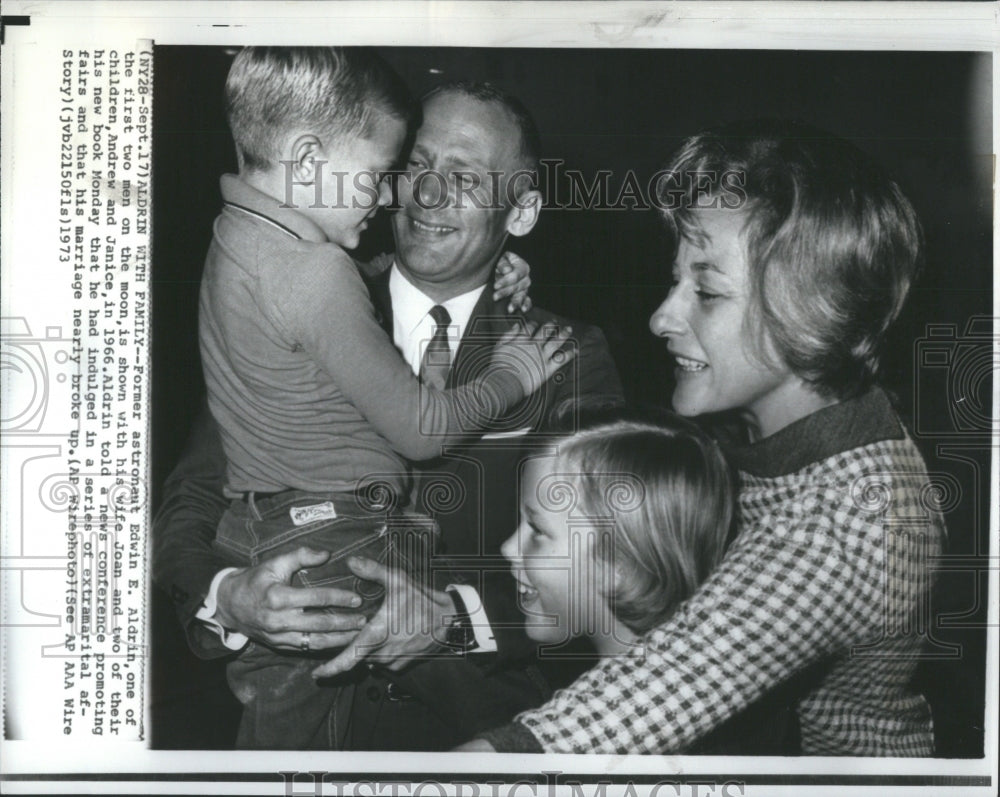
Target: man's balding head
pixel 530 144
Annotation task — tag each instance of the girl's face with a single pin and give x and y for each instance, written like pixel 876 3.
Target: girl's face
pixel 702 319
pixel 561 586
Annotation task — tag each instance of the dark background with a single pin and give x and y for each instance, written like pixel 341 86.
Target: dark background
pixel 924 116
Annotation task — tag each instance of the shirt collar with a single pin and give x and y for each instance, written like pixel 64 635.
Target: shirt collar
pixel 849 424
pixel 244 198
pixel 410 305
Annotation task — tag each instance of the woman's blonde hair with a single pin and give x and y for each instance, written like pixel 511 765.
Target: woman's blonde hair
pixel 832 243
pixel 670 494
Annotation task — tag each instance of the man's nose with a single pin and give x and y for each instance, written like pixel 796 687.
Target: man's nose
pixel 667 319
pixel 430 189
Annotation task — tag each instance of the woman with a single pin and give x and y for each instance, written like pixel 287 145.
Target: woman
pixel 788 271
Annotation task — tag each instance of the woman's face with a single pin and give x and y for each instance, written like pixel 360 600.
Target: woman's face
pixel 560 585
pixel 702 319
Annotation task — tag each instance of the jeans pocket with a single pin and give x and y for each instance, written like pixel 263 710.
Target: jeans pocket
pixel 234 537
pixel 400 544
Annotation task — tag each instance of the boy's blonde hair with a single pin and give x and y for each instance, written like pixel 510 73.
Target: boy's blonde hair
pixel 671 495
pixel 329 91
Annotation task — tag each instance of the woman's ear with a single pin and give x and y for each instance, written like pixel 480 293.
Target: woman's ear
pixel 523 215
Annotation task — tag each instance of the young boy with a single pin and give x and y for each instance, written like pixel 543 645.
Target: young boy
pixel 309 394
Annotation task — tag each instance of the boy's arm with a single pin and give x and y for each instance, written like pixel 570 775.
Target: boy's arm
pixel 590 382
pixel 490 592
pixel 328 311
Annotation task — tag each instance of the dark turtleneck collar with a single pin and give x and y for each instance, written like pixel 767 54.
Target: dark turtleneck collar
pixel 848 424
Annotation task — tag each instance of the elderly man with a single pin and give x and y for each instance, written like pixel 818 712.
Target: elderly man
pixel 465 192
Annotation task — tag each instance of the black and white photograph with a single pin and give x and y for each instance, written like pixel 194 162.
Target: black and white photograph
pixel 872 153
pixel 614 400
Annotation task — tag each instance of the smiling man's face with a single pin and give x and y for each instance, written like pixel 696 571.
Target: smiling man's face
pixel 448 245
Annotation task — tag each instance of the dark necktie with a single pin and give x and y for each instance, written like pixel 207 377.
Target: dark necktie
pixel 437 356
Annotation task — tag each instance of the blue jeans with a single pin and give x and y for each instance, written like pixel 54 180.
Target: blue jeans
pixel 283 707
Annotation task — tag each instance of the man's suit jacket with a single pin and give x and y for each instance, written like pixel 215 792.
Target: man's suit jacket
pixel 471 490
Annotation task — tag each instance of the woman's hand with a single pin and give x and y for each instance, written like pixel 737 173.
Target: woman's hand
pixel 512 277
pixel 475 746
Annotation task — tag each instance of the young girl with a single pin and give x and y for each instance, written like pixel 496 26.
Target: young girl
pixel 619 523
pixel 788 270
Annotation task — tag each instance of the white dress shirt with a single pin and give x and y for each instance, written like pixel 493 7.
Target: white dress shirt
pixel 412 323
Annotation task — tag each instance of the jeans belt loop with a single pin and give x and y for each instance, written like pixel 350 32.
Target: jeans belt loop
pixel 250 499
pixel 252 505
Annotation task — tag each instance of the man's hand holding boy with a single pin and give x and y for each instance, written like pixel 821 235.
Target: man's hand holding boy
pixel 260 603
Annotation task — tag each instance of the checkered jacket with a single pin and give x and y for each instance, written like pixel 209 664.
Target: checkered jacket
pixel 831 568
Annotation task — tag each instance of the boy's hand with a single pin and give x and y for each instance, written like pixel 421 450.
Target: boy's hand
pixel 512 277
pixel 260 603
pixel 401 630
pixel 534 353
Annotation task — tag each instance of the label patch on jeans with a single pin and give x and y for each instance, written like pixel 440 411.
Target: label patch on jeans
pixel 301 515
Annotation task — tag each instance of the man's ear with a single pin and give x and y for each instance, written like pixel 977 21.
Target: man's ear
pixel 306 156
pixel 523 215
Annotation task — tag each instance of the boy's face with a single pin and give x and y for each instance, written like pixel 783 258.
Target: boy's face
pixel 449 230
pixel 351 191
pixel 703 318
pixel 561 586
